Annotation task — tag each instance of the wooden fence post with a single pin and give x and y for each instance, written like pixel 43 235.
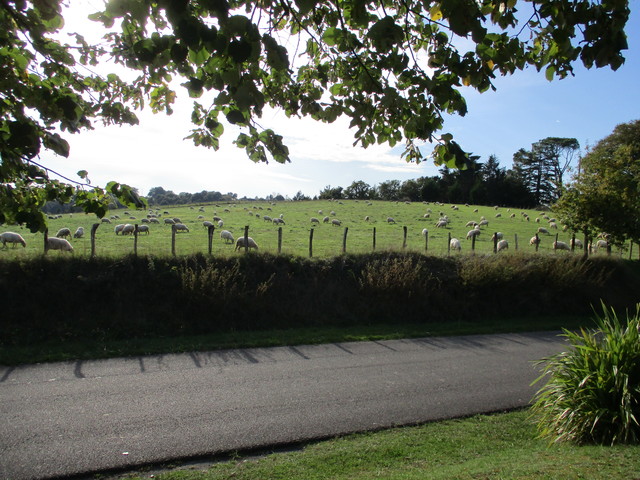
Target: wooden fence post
pixel 279 240
pixel 344 240
pixel 630 249
pixel 210 230
pixel 449 244
pixel 555 244
pixel 537 242
pixel 246 239
pixel 94 227
pixel 46 241
pixel 473 243
pixel 516 241
pixel 374 238
pixel 495 242
pixel 173 240
pixel 426 242
pixel 404 238
pixel 135 240
pixel 573 242
pixel 311 243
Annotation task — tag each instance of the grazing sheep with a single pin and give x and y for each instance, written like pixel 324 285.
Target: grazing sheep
pixel 502 245
pixel 216 218
pixel 220 223
pixel 471 224
pixel 226 236
pixel 267 218
pixel 55 243
pixel 176 220
pixel 390 220
pixel 426 215
pixel 143 229
pixel 561 246
pixel 497 235
pixel 128 229
pixel 441 224
pixel 577 244
pixel 454 244
pixel 105 220
pixel 250 243
pixel 315 220
pixel 332 213
pixel 154 220
pixel 325 220
pixel 498 215
pixel 367 219
pixel 336 222
pixel 534 240
pixel 278 221
pixel 207 224
pixel 118 228
pixel 553 225
pixel 425 232
pixel 543 230
pixel 63 232
pixel 319 212
pixel 145 220
pixel 12 237
pixel 473 233
pixel 181 227
pixel 79 233
pixel 169 221
pixel 600 244
pixel 483 223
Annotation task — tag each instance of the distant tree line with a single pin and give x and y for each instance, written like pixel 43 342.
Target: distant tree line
pixel 535 179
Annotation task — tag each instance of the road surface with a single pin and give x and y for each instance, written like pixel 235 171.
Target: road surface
pixel 80 417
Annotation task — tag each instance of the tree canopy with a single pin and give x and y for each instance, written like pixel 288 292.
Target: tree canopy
pixel 393 67
pixel 605 195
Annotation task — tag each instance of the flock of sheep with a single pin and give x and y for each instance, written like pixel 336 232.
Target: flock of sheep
pixel 62 237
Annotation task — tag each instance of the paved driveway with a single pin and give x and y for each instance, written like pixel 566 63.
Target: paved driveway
pixel 79 417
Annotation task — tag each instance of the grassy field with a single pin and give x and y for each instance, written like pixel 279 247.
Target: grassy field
pixel 327 238
pixel 482 447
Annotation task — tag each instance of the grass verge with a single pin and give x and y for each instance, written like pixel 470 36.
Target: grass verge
pixel 488 447
pixel 95 349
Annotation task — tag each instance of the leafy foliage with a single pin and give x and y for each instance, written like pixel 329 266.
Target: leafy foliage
pixel 392 67
pixel 604 196
pixel 592 394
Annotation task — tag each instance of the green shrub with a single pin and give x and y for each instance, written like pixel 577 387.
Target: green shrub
pixel 592 391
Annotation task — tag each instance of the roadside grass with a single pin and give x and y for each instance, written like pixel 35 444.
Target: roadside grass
pixel 500 446
pixel 96 349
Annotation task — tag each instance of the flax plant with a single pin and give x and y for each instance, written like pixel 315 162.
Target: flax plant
pixel 592 391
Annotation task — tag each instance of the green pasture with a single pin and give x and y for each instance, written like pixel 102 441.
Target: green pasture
pixel 327 238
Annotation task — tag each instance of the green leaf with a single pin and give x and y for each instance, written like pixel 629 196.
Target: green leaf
pixel 550 72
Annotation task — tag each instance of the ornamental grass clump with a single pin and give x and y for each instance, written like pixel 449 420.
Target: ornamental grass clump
pixel 592 391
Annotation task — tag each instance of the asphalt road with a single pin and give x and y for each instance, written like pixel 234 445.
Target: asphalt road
pixel 67 419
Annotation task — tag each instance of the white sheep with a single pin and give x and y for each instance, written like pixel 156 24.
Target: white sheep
pixel 226 236
pixel 390 220
pixel 534 240
pixel 441 224
pixel 577 244
pixel 553 225
pixel 55 243
pixel 425 232
pixel 12 237
pixel 315 220
pixel 105 220
pixel 176 220
pixel 502 245
pixel 471 223
pixel 169 221
pixel 220 223
pixel 63 232
pixel 128 229
pixel 336 222
pixel 473 233
pixel 143 229
pixel 267 218
pixel 543 230
pixel 325 220
pixel 561 246
pixel 250 242
pixel 181 227
pixel 454 244
pixel 483 223
pixel 79 233
pixel 367 219
pixel 154 220
pixel 497 235
pixel 207 224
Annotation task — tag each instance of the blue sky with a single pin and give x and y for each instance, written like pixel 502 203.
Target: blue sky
pixel 524 109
